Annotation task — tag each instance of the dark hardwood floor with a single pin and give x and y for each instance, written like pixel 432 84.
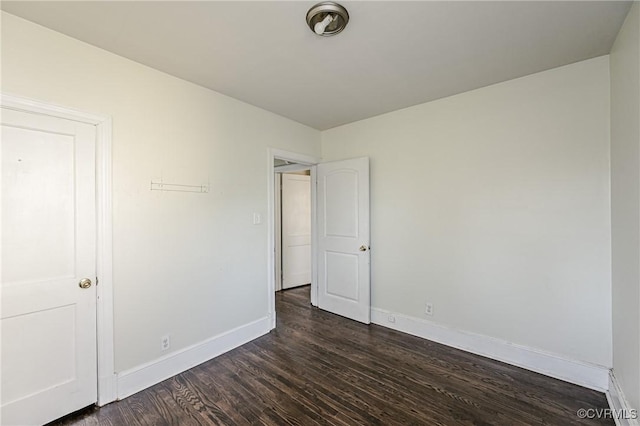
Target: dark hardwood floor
pixel 319 368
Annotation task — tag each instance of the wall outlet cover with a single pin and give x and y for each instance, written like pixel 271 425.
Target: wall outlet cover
pixel 428 309
pixel 165 342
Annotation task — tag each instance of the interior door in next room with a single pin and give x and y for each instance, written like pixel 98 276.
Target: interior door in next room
pixel 296 230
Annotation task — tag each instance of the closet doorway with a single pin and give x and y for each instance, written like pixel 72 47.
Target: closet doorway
pixel 293 253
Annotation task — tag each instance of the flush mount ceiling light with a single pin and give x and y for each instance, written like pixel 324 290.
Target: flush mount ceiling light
pixel 327 18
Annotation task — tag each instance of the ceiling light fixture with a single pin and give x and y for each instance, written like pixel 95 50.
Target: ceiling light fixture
pixel 327 18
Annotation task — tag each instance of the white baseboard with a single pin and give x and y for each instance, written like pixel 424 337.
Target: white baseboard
pixel 619 405
pixel 107 389
pixel 577 372
pixel 151 373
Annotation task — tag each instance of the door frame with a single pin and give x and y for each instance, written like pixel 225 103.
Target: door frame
pixel 107 391
pixel 277 228
pixel 307 160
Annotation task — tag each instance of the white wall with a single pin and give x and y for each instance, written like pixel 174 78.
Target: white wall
pixel 188 265
pixel 505 190
pixel 625 205
pixel 494 206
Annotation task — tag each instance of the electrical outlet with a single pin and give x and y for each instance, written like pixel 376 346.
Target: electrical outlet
pixel 429 309
pixel 165 342
pixel 391 318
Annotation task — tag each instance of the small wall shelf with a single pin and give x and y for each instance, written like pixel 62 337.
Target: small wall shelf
pixel 177 187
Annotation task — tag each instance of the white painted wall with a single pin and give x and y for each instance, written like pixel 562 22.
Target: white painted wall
pixel 189 265
pixel 625 205
pixel 494 206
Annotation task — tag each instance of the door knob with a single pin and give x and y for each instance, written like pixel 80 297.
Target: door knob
pixel 85 283
pixel 363 248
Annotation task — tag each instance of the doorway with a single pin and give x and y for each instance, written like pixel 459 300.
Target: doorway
pixel 293 226
pixel 340 248
pixel 284 162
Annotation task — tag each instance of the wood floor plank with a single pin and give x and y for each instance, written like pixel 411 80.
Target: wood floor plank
pixel 317 368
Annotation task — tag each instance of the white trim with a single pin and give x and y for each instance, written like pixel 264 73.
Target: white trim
pixel 619 404
pixel 151 373
pixel 288 168
pixel 277 222
pixel 272 154
pixel 104 254
pixel 580 373
pixel 314 236
pixel 30 105
pixel 106 351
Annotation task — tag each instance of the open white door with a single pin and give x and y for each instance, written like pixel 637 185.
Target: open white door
pixel 343 238
pixel 296 230
pixel 48 267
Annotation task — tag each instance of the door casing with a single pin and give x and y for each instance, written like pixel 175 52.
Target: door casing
pixel 107 391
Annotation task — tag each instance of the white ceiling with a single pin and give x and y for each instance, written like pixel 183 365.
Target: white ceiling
pixel 391 55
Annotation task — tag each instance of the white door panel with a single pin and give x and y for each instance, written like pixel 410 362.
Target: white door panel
pixel 48 245
pixel 341 204
pixel 296 230
pixel 46 232
pixel 343 238
pixel 342 268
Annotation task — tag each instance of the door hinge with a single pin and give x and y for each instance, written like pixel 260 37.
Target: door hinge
pixel 97 281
